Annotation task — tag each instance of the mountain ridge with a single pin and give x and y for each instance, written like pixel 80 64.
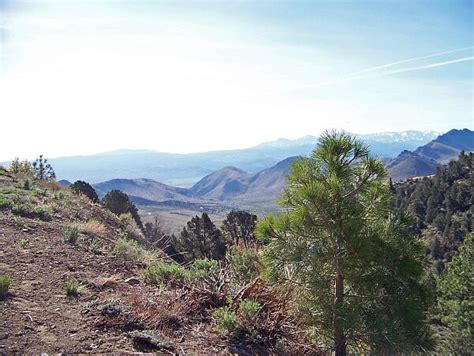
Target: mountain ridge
pixel 234 186
pixel 184 170
pixel 427 158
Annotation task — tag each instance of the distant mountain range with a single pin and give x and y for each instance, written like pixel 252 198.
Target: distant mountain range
pixel 186 169
pixel 426 159
pixel 235 187
pixel 229 186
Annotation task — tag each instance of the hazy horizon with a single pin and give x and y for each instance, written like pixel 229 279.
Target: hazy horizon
pixel 126 149
pixel 79 78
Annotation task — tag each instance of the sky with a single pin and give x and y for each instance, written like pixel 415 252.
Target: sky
pixel 80 77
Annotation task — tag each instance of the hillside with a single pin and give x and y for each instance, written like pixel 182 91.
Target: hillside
pixel 100 292
pixel 427 158
pixel 442 206
pixel 38 316
pixel 145 189
pixel 186 169
pixel 410 164
pixel 226 187
pixel 222 184
pixel 233 185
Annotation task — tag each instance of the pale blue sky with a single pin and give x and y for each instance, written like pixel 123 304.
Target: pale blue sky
pixel 187 76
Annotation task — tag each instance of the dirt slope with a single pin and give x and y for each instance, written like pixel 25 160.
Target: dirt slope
pixel 37 316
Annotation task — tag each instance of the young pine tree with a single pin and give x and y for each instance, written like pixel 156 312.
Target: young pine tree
pixel 357 271
pixel 43 170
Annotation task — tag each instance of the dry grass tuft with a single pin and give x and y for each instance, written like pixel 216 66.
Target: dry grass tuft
pixel 94 228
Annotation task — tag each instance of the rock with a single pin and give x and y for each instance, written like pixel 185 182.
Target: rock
pixel 147 341
pixel 89 347
pixel 4 336
pixel 132 281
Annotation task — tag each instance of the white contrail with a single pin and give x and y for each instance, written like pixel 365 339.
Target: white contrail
pixel 385 73
pixel 371 69
pixel 433 65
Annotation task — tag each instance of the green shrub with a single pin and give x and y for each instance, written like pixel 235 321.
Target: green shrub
pixel 28 210
pixel 130 251
pixel 161 272
pixel 5 203
pixel 110 307
pixel 248 309
pixel 73 287
pixel 58 195
pixel 43 212
pixel 226 320
pixel 125 218
pixel 244 264
pixel 107 307
pixel 20 202
pixel 5 284
pixel 71 234
pixel 95 245
pixel 24 243
pixel 201 268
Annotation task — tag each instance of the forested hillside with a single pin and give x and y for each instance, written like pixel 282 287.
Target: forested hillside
pixel 442 206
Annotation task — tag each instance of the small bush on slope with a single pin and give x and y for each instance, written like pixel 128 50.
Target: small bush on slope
pixel 25 203
pixel 248 310
pixel 71 234
pixel 5 284
pixel 244 265
pixel 202 268
pixel 95 245
pixel 73 287
pixel 161 272
pixel 130 251
pixel 5 203
pixel 226 320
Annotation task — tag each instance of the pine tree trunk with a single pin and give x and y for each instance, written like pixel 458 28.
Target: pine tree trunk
pixel 339 338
